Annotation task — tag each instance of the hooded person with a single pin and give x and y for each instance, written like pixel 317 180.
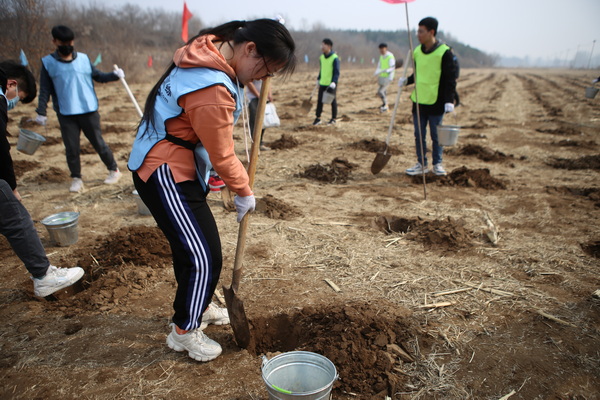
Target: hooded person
pixel 187 129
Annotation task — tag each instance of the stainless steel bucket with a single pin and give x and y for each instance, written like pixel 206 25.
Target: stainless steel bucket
pixel 448 134
pixel 327 97
pixel 62 227
pixel 142 209
pixel 591 92
pixel 29 141
pixel 299 375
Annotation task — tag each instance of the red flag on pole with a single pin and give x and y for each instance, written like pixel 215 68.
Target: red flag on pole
pixel 398 1
pixel 149 61
pixel 184 22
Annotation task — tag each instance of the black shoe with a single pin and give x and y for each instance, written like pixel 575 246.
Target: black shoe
pixel 331 122
pixel 317 121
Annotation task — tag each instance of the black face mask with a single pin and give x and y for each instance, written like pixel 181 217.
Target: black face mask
pixel 65 50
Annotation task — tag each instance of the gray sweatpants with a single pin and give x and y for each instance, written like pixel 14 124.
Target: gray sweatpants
pixel 70 129
pixel 17 226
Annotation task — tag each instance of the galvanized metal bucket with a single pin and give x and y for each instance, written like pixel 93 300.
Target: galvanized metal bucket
pixel 62 227
pixel 142 209
pixel 328 97
pixel 299 375
pixel 29 141
pixel 448 134
pixel 591 92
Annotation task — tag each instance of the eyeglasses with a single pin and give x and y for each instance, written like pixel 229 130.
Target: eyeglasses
pixel 269 73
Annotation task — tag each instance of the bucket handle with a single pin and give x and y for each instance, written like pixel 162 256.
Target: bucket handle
pixel 455 117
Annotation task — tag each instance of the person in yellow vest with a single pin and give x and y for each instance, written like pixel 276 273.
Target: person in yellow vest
pixel 328 79
pixel 435 84
pixel 385 74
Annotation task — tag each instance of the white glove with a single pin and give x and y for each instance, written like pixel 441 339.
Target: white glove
pixel 244 204
pixel 401 81
pixel 120 73
pixel 41 119
pixel 333 85
pixel 448 107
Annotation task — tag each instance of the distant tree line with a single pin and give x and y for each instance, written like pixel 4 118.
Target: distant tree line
pixel 129 34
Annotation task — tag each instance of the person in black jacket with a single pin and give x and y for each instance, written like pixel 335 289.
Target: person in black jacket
pixel 18 84
pixel 434 93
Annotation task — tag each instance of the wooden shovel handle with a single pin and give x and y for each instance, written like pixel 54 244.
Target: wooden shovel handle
pixel 241 242
pixel 131 96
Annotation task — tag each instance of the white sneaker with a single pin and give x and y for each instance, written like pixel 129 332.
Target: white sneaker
pixel 214 315
pixel 417 169
pixel 199 346
pixel 55 280
pixel 113 177
pixel 76 185
pixel 439 170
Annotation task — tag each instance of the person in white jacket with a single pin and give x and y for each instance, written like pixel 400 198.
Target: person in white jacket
pixel 385 73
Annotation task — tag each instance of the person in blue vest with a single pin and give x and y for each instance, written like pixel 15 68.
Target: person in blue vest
pixel 68 77
pixel 18 84
pixel 385 74
pixel 434 91
pixel 329 74
pixel 187 129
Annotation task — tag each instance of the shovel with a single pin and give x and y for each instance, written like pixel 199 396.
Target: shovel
pixel 235 305
pixel 381 159
pixel 307 104
pixel 131 96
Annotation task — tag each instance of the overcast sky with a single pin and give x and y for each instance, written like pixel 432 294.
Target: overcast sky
pixel 536 28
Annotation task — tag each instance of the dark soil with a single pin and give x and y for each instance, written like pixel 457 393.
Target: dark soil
pixel 22 166
pixel 447 234
pixel 375 146
pixel 481 152
pixel 52 175
pixel 475 178
pixel 365 342
pixel 284 142
pixel 337 172
pixel 586 162
pixel 276 209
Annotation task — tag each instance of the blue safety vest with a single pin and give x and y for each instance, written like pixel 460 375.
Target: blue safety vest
pixel 180 82
pixel 73 84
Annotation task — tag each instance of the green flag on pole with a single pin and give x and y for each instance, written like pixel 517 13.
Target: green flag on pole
pixel 98 59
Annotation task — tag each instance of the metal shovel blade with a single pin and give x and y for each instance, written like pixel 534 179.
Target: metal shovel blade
pixel 306 105
pixel 237 316
pixel 380 161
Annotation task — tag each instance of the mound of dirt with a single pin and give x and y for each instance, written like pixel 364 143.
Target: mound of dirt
pixel 465 177
pixel 365 342
pixel 586 162
pixel 22 166
pixel 591 193
pixel 284 142
pixel 448 234
pixel 53 175
pixel 590 144
pixel 592 248
pixel 50 141
pixel 563 131
pixel 336 172
pixel 375 146
pixel 481 152
pixel 139 245
pixel 276 209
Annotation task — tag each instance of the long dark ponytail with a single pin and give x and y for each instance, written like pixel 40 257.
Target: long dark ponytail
pixel 273 41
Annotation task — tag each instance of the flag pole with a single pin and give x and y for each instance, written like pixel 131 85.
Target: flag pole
pixel 420 133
